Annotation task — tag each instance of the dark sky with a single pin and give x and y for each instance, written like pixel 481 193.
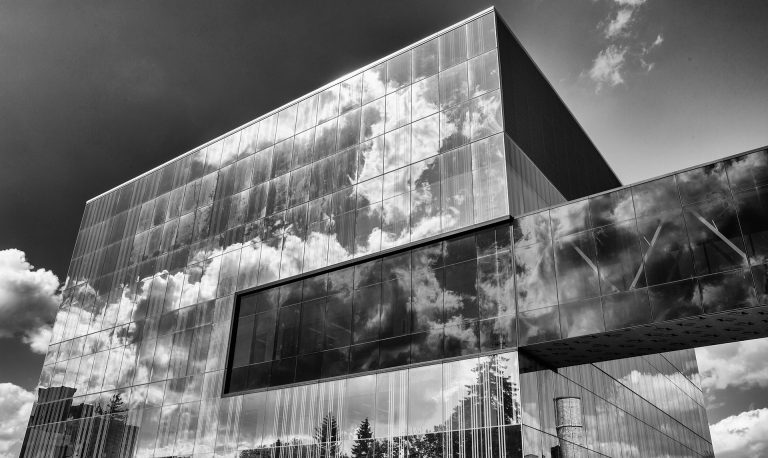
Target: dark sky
pixel 94 93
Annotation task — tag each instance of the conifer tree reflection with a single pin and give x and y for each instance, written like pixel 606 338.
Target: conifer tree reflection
pixel 327 436
pixel 363 445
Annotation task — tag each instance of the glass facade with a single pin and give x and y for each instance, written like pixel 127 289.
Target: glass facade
pixel 369 271
pixel 685 245
pixel 649 406
pixel 442 300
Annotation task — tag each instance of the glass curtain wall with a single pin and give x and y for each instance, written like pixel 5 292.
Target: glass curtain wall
pixel 446 299
pixel 683 245
pixel 649 406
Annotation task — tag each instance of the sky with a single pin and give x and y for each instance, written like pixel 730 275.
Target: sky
pixel 95 93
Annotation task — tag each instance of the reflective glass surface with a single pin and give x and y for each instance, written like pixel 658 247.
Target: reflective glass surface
pixel 411 307
pixel 650 406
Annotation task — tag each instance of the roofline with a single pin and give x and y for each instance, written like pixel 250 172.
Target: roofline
pixel 299 99
pixel 554 91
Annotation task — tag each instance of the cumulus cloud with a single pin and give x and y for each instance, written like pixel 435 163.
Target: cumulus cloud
pixel 29 299
pixel 629 2
pixel 625 50
pixel 745 434
pixel 618 25
pixel 607 66
pixel 734 365
pixel 38 339
pixel 15 407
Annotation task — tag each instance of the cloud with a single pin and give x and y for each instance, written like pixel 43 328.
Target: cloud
pixel 607 66
pixel 619 24
pixel 745 434
pixel 15 407
pixel 29 300
pixel 734 365
pixel 624 51
pixel 633 3
pixel 38 339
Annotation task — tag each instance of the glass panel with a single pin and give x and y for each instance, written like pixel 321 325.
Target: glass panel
pixel 703 183
pixel 391 404
pixel 399 71
pixel 461 294
pixel 371 159
pixel 338 324
pixel 483 74
pixel 283 372
pixel 488 179
pixel 714 233
pixel 748 171
pixel 262 166
pixel 675 300
pixel 267 130
pixel 364 357
pixel 303 148
pixel 454 127
pixel 286 123
pixel 373 119
pixel 263 337
pixel 396 182
pixel 486 115
pixel 453 47
pixel 366 315
pixel 398 108
pixel 395 221
pixel 753 215
pixel 535 279
pixel 288 331
pixel 243 341
pixel 368 228
pixel 325 139
pixel 498 333
pixel 425 97
pixel 374 83
pixel 281 158
pixel 427 299
pixel 481 35
pixel 426 138
pixel 397 148
pixel 248 139
pixel 252 420
pixel 312 324
pixel 727 291
pixel 425 59
pixel 667 255
pixel 577 274
pixel 656 197
pixel 626 309
pixel 612 207
pixel 328 104
pixel 425 413
pixel 619 258
pixel 360 406
pixel 454 86
pixel 350 93
pixel 349 129
pixel 299 186
pixel 394 352
pixel 307 113
pixel 335 362
pixel 539 325
pixel 581 318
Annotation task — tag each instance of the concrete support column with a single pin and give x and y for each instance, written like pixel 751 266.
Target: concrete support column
pixel 569 425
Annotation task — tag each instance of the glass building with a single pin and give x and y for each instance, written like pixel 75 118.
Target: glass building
pixel 427 257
